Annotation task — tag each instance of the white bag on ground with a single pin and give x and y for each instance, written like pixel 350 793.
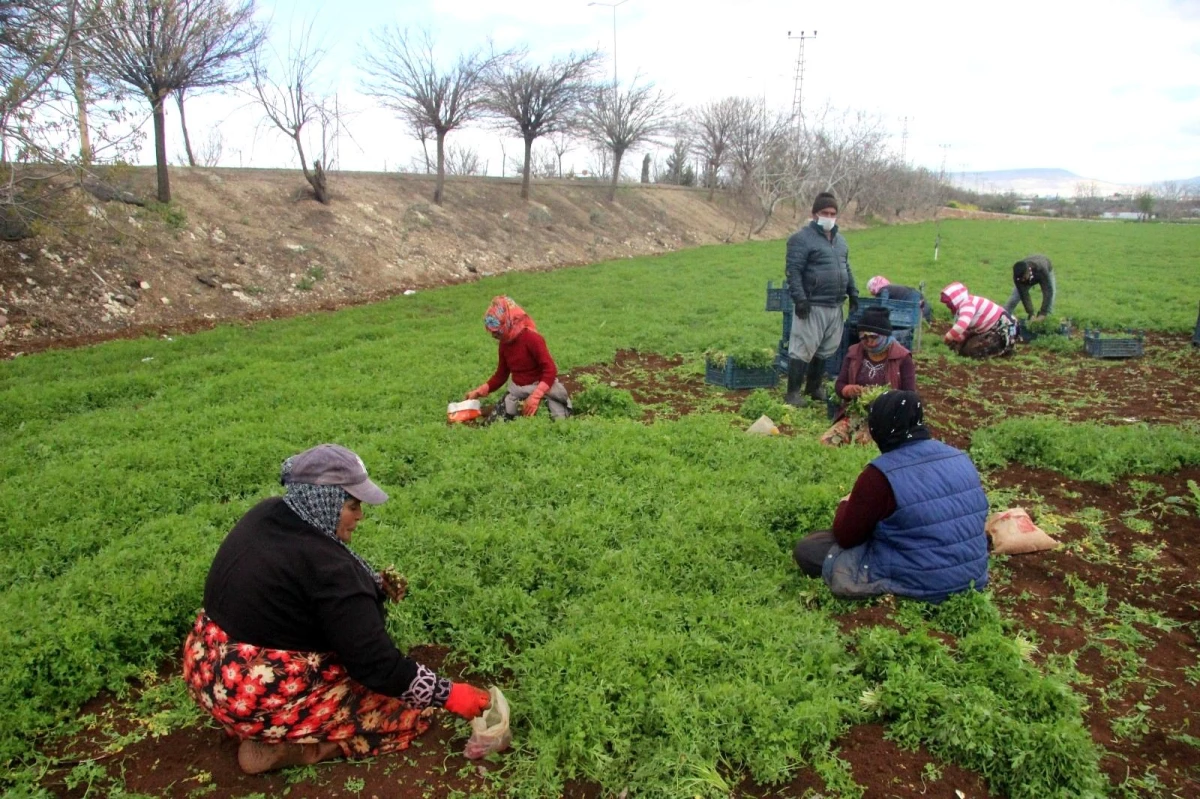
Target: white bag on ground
pixel 763 427
pixel 490 732
pixel 1014 533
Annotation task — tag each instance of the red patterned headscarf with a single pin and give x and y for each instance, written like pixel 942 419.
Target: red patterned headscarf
pixel 507 318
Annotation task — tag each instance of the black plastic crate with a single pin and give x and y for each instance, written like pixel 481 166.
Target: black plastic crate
pixel 778 299
pixel 737 377
pixel 1097 346
pixel 1196 334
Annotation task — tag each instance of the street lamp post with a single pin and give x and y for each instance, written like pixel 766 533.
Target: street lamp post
pixel 613 6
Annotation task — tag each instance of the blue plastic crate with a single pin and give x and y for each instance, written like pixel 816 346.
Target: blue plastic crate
pixel 1095 345
pixel 778 299
pixel 903 313
pixel 736 377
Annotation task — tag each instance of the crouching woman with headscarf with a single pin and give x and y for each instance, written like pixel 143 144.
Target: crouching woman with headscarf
pixel 913 524
pixel 524 357
pixel 290 654
pixel 981 328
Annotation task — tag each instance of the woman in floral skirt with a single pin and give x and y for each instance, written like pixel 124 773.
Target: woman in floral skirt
pixel 290 653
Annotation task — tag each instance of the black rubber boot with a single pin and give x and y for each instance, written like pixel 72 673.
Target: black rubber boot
pixel 795 384
pixel 814 385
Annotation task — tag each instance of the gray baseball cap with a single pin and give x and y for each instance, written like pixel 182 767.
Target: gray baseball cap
pixel 334 465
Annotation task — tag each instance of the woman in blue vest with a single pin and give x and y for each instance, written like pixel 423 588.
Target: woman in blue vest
pixel 913 524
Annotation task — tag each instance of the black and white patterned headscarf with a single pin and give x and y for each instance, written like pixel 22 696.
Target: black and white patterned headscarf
pixel 321 506
pixel 896 418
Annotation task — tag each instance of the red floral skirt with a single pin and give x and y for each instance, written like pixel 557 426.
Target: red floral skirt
pixel 278 695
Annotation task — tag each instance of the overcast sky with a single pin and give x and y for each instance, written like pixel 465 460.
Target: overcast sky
pixel 1108 89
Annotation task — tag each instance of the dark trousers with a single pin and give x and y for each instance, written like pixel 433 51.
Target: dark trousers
pixel 810 551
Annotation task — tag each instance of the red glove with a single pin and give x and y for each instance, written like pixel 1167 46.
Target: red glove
pixel 481 391
pixel 467 700
pixel 534 401
pixel 851 391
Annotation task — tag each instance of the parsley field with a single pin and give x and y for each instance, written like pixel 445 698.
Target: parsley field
pixel 630 586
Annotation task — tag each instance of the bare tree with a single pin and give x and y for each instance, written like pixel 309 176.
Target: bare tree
pixel 463 161
pixel 404 75
pixel 39 40
pixel 561 143
pixel 162 46
pixel 756 131
pixel 619 119
pixel 848 151
pixel 540 100
pixel 212 149
pixel 36 42
pixel 779 172
pixel 712 126
pixel 1087 198
pixel 286 90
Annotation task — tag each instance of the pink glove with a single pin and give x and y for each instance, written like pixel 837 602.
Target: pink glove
pixel 851 391
pixel 534 401
pixel 467 700
pixel 481 391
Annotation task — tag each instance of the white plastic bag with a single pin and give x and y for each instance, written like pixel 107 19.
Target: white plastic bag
pixel 463 411
pixel 490 731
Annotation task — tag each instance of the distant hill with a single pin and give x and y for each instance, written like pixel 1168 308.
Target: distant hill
pixel 1034 182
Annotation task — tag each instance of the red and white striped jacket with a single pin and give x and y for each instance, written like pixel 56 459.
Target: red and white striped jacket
pixel 972 314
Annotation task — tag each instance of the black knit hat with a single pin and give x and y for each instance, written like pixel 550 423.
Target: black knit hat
pixel 824 200
pixel 875 320
pixel 1022 272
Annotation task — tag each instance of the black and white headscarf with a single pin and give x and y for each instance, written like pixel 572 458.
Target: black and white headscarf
pixel 321 506
pixel 897 418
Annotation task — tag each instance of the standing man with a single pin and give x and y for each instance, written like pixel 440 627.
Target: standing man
pixel 1034 269
pixel 819 280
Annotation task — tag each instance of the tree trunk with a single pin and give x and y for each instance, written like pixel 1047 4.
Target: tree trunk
pixel 80 86
pixel 525 171
pixel 187 142
pixel 316 178
pixel 612 189
pixel 160 151
pixel 441 167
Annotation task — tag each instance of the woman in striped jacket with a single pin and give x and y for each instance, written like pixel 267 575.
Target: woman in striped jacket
pixel 981 328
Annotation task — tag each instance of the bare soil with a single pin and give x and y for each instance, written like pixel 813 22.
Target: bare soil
pixel 245 244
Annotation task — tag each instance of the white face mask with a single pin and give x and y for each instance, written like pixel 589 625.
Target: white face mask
pixel 827 222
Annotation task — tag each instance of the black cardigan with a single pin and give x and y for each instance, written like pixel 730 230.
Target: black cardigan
pixel 279 583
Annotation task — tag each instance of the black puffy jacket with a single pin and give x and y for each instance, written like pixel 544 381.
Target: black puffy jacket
pixel 818 270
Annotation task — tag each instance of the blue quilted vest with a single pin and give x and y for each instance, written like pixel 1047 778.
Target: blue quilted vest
pixel 934 544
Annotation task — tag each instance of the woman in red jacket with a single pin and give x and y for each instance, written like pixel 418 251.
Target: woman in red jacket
pixel 524 357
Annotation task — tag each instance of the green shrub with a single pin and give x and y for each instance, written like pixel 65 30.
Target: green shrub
pixel 1087 451
pixel 601 399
